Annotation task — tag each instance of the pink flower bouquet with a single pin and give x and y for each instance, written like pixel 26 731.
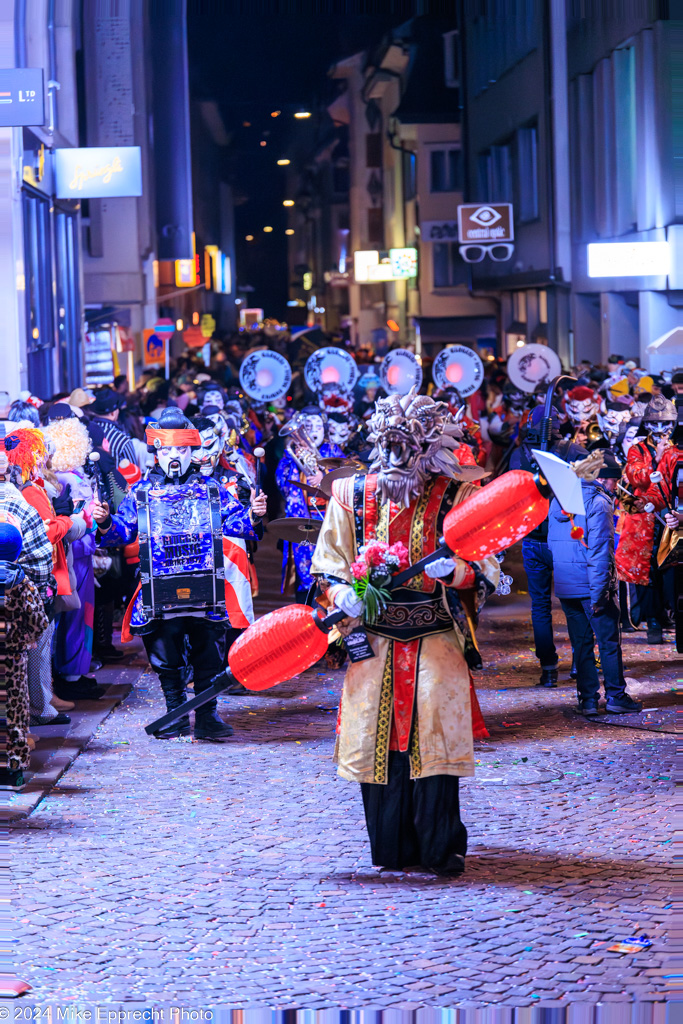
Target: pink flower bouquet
pixel 372 571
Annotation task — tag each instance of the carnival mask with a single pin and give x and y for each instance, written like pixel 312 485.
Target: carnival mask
pixel 658 429
pixel 612 419
pixel 629 437
pixel 582 409
pixel 206 457
pixel 315 429
pixel 413 437
pixel 174 460
pixel 213 398
pixel 339 431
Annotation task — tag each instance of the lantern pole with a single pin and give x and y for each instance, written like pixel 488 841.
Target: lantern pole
pixel 323 622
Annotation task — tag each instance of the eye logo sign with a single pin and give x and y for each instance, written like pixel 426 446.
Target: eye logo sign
pixel 485 222
pixel 485 216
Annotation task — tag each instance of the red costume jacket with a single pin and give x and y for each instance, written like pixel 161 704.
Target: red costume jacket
pixel 634 552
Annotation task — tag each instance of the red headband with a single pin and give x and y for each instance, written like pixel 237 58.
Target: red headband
pixel 177 437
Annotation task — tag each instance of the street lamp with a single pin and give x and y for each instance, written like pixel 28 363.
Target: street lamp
pixel 249 238
pixel 289 231
pixel 288 202
pixel 284 163
pixel 300 115
pixel 268 228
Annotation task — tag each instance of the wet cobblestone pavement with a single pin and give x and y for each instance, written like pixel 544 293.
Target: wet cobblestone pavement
pixel 239 874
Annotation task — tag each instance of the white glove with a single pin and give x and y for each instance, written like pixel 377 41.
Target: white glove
pixel 346 599
pixel 439 568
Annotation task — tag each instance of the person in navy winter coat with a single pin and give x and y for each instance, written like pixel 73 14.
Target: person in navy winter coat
pixel 587 587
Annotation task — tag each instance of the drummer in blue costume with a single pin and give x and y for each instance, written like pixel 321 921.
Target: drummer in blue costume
pixel 180 518
pixel 300 464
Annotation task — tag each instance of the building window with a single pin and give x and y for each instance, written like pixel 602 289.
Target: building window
pixel 376 226
pixel 68 299
pixel 449 269
pixel 446 170
pixel 495 175
pixel 340 179
pixel 527 173
pixel 451 53
pixel 409 176
pixel 39 308
pixel 373 149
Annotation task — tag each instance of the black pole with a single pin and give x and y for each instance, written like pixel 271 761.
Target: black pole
pixel 545 427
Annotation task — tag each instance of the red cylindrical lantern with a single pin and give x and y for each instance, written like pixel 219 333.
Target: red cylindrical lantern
pixel 277 647
pixel 498 516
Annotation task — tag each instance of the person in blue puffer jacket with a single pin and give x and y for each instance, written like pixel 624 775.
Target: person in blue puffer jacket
pixel 587 587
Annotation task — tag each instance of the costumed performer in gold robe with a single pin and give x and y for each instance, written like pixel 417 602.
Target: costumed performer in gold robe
pixel 405 723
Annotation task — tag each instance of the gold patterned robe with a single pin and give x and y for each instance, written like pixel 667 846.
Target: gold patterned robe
pixel 434 690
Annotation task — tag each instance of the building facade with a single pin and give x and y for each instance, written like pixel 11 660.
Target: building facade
pixel 570 115
pixel 40 264
pixel 395 154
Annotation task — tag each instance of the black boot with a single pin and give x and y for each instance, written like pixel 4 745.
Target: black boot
pixel 174 694
pixel 548 678
pixel 208 726
pixel 11 778
pixel 103 625
pixel 654 632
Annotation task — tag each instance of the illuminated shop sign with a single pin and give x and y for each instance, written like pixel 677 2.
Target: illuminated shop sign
pixel 99 172
pixel 628 259
pixel 21 97
pixel 370 265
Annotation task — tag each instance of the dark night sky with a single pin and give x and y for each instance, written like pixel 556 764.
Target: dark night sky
pixel 252 65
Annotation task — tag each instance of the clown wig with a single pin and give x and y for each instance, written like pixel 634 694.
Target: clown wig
pixel 72 444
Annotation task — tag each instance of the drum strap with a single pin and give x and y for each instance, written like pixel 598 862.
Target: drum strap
pixel 146 582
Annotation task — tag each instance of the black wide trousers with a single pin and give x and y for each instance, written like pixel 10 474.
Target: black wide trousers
pixel 413 822
pixel 166 649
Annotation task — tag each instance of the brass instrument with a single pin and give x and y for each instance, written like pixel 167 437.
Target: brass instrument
pixel 300 447
pixel 592 431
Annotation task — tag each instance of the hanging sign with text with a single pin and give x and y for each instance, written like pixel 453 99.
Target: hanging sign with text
pixel 479 223
pixel 98 172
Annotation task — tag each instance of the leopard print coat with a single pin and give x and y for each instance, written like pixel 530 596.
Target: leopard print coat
pixel 22 621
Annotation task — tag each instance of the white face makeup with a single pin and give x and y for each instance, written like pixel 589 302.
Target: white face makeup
pixel 213 398
pixel 315 428
pixel 629 438
pixel 174 460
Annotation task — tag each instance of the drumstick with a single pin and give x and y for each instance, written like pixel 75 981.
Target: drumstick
pixel 656 478
pixel 259 453
pixel 94 458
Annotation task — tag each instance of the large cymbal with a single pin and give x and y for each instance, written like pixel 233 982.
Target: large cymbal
pixel 313 492
pixel 338 474
pixel 295 529
pixel 336 462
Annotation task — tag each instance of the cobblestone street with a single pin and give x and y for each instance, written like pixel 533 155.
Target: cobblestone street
pixel 239 874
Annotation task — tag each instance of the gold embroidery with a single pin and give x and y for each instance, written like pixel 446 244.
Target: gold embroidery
pixel 414 748
pixel 384 719
pixel 416 536
pixel 415 757
pixel 383 523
